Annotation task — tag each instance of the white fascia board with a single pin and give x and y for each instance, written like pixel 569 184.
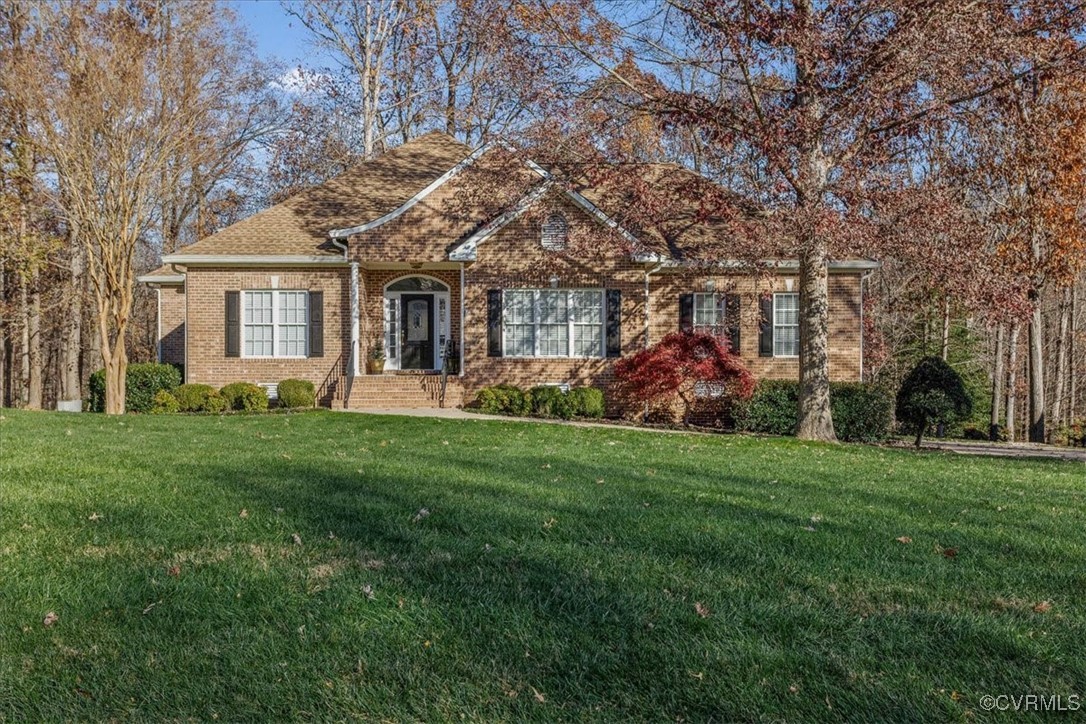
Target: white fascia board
pixel 466 250
pixel 399 211
pixel 161 279
pixel 252 260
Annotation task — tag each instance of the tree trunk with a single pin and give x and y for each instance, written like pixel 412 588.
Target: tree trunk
pixel 1012 382
pixel 1036 372
pixel 71 387
pixel 997 386
pixel 24 344
pixel 815 421
pixel 3 338
pixel 1060 388
pixel 116 368
pixel 1072 405
pixel 34 355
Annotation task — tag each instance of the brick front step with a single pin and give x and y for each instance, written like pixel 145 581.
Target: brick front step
pixel 403 391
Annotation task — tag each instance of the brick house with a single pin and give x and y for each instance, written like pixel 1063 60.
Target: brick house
pixel 386 258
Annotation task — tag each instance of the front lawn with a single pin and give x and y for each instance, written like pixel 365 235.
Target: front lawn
pixel 340 566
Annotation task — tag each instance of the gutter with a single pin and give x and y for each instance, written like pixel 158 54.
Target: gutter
pixel 648 305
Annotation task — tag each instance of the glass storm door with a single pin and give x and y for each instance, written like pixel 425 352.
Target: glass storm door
pixel 417 332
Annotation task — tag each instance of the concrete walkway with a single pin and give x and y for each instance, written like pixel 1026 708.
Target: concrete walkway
pixel 1019 450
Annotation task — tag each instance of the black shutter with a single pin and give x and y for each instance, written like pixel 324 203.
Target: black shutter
pixel 494 323
pixel 765 328
pixel 614 322
pixel 233 324
pixel 732 317
pixel 686 312
pixel 316 324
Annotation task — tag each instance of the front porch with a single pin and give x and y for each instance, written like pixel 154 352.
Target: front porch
pixel 405 338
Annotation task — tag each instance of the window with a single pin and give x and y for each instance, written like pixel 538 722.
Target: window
pixel 710 316
pixel 555 232
pixel 275 323
pixel 553 322
pixel 786 325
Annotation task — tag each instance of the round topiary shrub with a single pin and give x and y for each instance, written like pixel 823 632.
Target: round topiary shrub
pixel 245 397
pixel 297 393
pixel 164 404
pixel 586 402
pixel 199 398
pixel 933 392
pixel 142 381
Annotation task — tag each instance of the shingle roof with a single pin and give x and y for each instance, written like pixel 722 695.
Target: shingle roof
pixel 300 225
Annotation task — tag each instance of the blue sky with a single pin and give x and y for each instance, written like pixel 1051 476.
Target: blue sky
pixel 277 35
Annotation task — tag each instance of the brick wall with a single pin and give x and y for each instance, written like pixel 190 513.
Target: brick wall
pixel 844 318
pixel 172 323
pixel 513 258
pixel 205 309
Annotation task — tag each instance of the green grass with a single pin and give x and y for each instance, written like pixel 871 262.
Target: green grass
pixel 557 575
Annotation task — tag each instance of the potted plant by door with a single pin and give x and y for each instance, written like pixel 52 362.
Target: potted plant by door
pixel 375 365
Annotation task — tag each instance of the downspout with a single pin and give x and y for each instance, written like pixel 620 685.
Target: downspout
pixel 158 323
pixel 863 278
pixel 353 363
pixel 648 316
pixel 463 316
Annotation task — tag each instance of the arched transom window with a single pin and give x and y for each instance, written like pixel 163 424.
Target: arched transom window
pixel 555 232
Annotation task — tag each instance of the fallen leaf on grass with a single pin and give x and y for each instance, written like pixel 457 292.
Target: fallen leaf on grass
pixel 548 524
pixel 148 609
pixel 244 513
pixel 538 695
pixel 94 517
pixel 174 571
pixel 423 513
pixel 904 539
pixel 50 618
pixel 1042 607
pixel 950 552
pixel 368 590
pixel 702 610
pixel 296 538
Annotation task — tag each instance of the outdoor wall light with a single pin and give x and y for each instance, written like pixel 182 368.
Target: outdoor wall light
pixel 788 283
pixel 710 285
pixel 554 282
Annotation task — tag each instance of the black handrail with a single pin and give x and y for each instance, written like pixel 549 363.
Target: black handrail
pixel 445 355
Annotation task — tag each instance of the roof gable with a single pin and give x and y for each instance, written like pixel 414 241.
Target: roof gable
pixel 300 225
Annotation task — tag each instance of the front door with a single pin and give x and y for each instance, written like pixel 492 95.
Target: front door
pixel 417 331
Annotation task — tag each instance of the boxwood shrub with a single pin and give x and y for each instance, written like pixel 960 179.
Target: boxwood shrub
pixel 297 393
pixel 164 403
pixel 199 398
pixel 503 400
pixel 245 397
pixel 142 381
pixel 586 402
pixel 861 412
pixel 550 401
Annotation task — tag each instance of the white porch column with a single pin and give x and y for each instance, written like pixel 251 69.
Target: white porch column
pixel 354 319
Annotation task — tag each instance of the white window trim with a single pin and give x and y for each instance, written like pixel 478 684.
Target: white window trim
pixel 274 325
pixel 785 326
pixel 718 299
pixel 571 324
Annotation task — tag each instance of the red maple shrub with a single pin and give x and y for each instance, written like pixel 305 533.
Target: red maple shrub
pixel 670 373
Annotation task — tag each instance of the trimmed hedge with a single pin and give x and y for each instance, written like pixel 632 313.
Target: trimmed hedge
pixel 504 400
pixel 542 401
pixel 861 412
pixel 142 381
pixel 199 398
pixel 164 403
pixel 587 402
pixel 297 393
pixel 245 397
